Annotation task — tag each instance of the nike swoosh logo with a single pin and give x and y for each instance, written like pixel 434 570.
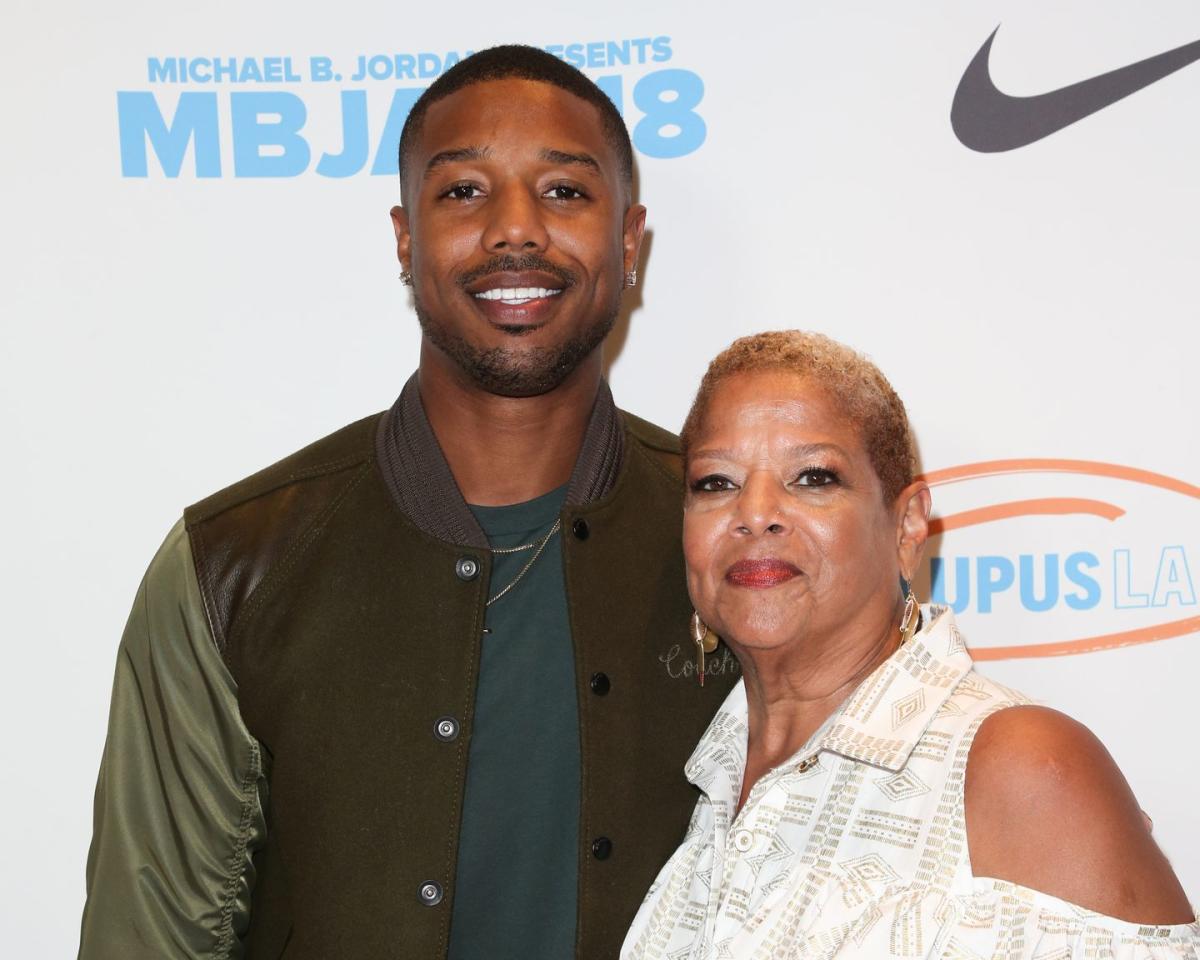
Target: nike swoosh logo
pixel 991 121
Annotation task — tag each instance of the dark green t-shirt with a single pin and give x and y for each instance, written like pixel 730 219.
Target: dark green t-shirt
pixel 515 889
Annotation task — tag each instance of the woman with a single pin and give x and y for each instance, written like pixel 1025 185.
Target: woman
pixel 864 792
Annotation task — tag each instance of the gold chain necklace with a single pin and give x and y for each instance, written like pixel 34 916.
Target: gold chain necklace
pixel 537 547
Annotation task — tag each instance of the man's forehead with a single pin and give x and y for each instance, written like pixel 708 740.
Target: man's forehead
pixel 547 116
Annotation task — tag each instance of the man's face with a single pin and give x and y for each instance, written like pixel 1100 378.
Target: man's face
pixel 517 231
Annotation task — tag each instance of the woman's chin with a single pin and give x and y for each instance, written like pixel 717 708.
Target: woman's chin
pixel 764 637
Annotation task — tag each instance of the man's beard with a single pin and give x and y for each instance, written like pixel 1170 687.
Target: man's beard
pixel 512 371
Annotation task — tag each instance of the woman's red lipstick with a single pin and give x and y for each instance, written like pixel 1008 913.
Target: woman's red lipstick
pixel 767 572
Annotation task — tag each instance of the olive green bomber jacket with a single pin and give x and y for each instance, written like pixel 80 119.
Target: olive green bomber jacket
pixel 315 665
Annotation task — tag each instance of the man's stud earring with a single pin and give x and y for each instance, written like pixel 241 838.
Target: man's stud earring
pixel 406 278
pixel 631 278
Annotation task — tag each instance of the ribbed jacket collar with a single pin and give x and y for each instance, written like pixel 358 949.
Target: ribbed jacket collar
pixel 420 480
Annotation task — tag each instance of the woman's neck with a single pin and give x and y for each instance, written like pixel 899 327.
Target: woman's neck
pixel 791 692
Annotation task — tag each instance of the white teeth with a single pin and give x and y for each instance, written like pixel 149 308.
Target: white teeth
pixel 516 295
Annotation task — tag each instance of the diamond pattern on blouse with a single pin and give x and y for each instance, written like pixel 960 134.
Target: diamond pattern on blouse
pixel 902 786
pixel 956 644
pixel 906 708
pixel 865 877
pixel 956 951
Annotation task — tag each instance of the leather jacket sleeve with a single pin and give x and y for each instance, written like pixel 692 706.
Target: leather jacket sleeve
pixel 180 799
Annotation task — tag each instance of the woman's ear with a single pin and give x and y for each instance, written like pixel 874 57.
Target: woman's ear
pixel 912 526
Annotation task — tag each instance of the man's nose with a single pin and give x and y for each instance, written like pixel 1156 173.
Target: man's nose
pixel 515 221
pixel 761 506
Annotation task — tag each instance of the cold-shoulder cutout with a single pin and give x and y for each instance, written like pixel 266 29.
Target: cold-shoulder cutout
pixel 1048 809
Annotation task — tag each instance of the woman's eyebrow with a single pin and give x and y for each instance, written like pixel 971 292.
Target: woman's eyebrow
pixel 711 453
pixel 799 450
pixel 815 449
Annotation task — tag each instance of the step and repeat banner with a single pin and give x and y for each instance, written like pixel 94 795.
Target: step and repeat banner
pixel 996 201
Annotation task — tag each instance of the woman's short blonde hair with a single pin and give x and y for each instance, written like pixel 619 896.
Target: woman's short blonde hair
pixel 854 383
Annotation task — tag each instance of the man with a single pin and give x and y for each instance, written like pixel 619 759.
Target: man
pixel 419 689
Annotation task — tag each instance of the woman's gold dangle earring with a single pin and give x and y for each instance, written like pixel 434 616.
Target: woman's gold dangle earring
pixel 911 621
pixel 706 641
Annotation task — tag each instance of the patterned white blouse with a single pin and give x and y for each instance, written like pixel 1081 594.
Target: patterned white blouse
pixel 856 846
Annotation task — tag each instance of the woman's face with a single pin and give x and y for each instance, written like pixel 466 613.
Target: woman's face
pixel 786 533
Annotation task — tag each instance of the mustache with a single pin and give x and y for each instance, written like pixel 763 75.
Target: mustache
pixel 510 264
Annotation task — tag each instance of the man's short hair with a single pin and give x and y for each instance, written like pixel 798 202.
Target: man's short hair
pixel 520 62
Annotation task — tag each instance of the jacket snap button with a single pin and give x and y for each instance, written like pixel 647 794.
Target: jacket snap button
pixel 446 729
pixel 601 848
pixel 430 893
pixel 580 529
pixel 467 568
pixel 600 684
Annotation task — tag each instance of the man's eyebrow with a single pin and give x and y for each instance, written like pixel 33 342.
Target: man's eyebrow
pixel 562 157
pixel 457 155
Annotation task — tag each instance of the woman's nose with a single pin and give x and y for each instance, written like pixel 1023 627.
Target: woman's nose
pixel 760 507
pixel 515 222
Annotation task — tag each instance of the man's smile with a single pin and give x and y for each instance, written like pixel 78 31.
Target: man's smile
pixel 519 299
pixel 516 295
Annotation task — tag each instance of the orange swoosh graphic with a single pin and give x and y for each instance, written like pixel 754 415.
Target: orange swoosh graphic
pixel 1108 641
pixel 1048 506
pixel 991 468
pixel 1060 506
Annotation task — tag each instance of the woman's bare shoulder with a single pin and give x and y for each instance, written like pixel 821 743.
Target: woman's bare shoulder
pixel 1048 808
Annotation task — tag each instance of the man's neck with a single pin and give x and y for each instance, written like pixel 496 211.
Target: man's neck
pixel 505 450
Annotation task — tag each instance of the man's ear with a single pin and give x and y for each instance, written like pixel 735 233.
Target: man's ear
pixel 631 235
pixel 403 237
pixel 912 526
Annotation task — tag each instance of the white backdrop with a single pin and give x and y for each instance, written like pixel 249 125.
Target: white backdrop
pixel 164 336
